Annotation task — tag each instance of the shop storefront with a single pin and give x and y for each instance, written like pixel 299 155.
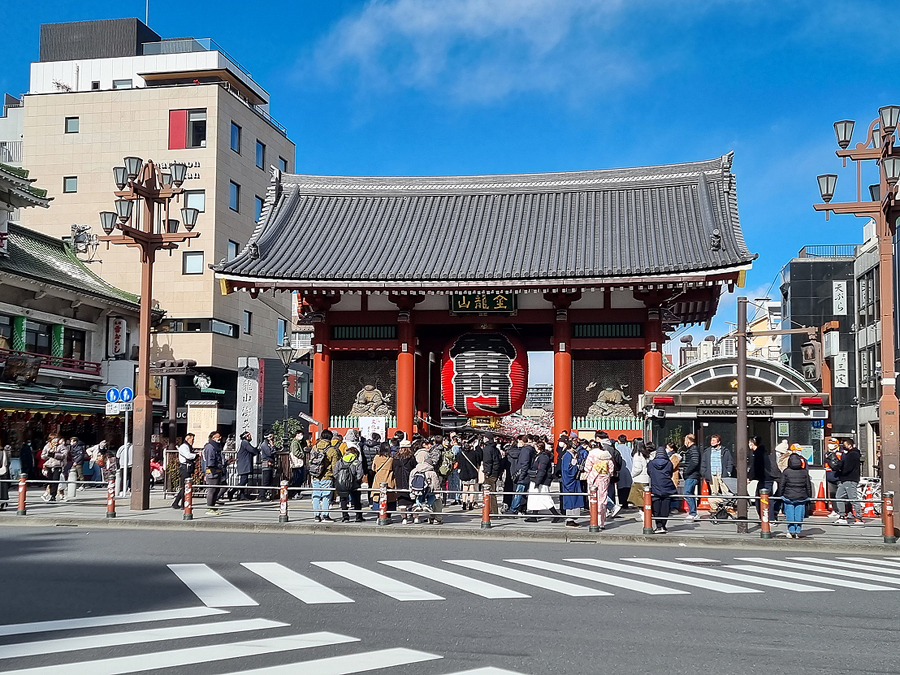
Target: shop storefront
pixel 701 399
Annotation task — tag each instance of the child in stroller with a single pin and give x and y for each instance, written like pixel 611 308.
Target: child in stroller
pixel 722 504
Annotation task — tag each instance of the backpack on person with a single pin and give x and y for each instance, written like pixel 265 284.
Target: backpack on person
pixel 344 480
pixel 418 486
pixel 446 465
pixel 317 459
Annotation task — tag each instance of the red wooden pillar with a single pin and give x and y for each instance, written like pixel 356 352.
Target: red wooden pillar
pixel 321 403
pixel 562 373
pixel 406 374
pixel 653 355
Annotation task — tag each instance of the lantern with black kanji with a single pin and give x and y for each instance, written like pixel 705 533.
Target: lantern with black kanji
pixel 485 374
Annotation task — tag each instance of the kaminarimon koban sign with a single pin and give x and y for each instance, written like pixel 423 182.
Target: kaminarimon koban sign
pixel 484 373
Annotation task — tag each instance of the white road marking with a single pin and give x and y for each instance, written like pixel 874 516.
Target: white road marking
pixel 730 576
pixel 189 656
pixel 846 563
pixel 799 576
pixel 108 620
pixel 599 577
pixel 212 589
pixel 485 671
pixel 454 579
pixel 301 587
pixel 875 561
pixel 346 664
pixel 822 569
pixel 530 579
pixel 691 560
pixel 377 582
pixel 666 576
pixel 102 640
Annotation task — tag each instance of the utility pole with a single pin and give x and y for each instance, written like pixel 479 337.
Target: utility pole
pixel 740 435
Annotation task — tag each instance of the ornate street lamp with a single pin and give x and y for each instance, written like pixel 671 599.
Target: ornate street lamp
pixel 883 206
pixel 144 183
pixel 287 354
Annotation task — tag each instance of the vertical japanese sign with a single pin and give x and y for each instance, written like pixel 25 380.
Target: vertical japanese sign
pixel 116 342
pixel 841 372
pixel 4 233
pixel 248 393
pixel 839 298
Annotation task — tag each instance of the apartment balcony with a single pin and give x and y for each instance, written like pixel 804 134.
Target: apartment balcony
pixel 11 153
pixel 55 364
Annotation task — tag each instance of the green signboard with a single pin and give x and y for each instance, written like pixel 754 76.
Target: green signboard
pixel 483 303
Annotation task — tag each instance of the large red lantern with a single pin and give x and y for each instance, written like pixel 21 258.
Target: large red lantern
pixel 485 374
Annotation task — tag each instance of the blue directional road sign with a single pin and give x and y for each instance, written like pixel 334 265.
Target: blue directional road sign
pixel 112 395
pixel 127 395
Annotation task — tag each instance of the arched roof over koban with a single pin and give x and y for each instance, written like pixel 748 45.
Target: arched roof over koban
pixel 718 375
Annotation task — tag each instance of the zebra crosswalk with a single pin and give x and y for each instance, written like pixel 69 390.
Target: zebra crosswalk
pixel 141 642
pixel 523 579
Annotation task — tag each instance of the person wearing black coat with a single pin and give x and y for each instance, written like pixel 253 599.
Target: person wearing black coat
pixel 541 475
pixel 245 456
pixel 26 460
pixel 468 460
pixel 847 473
pixel 763 470
pixel 795 489
pixel 524 453
pixel 493 466
pixel 690 471
pixel 267 462
pixel 662 487
pixel 370 448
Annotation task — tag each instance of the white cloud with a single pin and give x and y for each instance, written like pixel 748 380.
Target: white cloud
pixel 479 50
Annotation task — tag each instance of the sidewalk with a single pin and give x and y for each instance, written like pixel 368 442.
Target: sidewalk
pixel 88 509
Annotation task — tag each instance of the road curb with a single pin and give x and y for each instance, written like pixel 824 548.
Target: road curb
pixel 432 531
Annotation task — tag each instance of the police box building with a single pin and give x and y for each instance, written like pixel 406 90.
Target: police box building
pixel 427 293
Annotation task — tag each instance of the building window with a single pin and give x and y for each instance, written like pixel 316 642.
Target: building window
pixel 192 262
pixel 195 199
pixel 282 331
pixel 95 85
pixel 70 184
pixel 73 344
pixel 233 249
pixel 37 337
pixel 258 207
pixel 121 84
pixel 867 298
pixel 235 138
pixel 248 322
pixel 187 129
pixel 234 196
pixel 282 164
pixel 71 125
pixel 5 332
pixel 260 155
pixel 222 327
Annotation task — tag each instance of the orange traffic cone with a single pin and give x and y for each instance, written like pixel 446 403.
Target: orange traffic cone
pixel 869 511
pixel 704 496
pixel 821 506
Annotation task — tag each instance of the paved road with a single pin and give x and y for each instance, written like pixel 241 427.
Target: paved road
pixel 197 602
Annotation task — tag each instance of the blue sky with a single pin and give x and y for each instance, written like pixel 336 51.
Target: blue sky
pixel 496 86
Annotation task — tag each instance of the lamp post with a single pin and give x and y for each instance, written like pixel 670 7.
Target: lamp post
pixel 149 230
pixel 883 206
pixel 286 353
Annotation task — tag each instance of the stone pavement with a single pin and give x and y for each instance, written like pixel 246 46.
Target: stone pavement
pixel 88 508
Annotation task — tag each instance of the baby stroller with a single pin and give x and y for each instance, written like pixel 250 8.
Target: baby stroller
pixel 723 506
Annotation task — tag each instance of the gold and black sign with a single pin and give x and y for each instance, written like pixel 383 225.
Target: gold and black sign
pixel 483 303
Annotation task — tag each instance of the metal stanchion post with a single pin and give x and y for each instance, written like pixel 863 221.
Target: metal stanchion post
pixel 887 517
pixel 188 499
pixel 111 499
pixel 486 508
pixel 593 501
pixel 23 487
pixel 383 518
pixel 648 511
pixel 765 530
pixel 282 504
